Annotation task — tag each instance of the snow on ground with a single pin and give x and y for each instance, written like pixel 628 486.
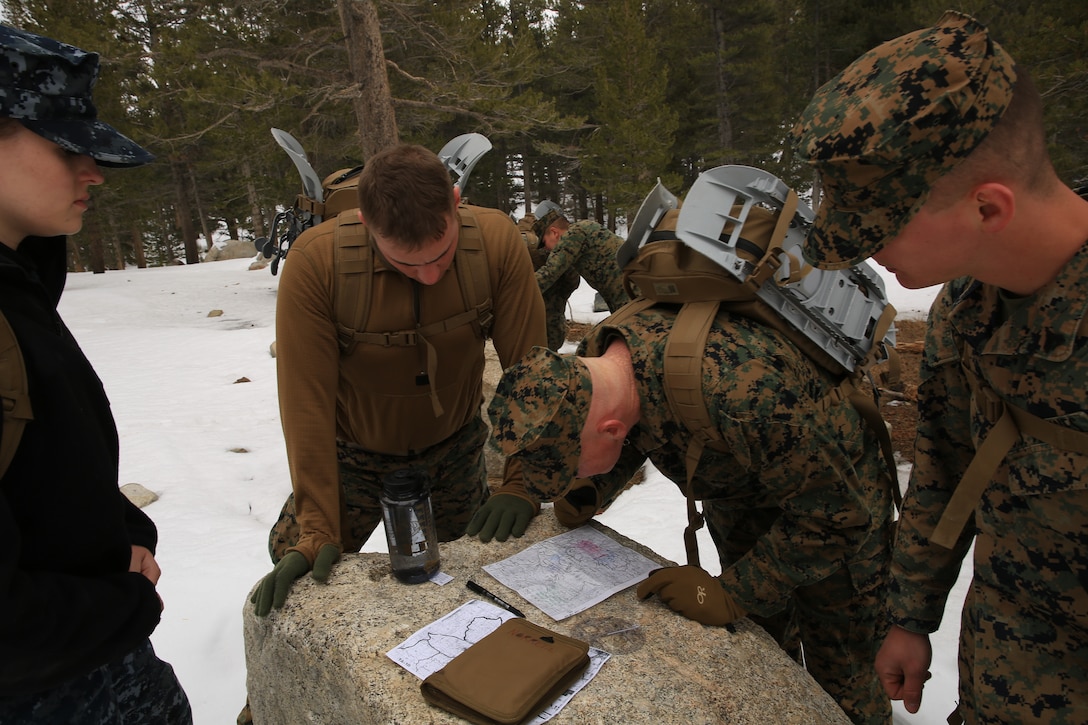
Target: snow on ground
pixel 194 395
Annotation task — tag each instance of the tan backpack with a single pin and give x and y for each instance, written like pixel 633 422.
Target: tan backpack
pixel 15 394
pixel 735 246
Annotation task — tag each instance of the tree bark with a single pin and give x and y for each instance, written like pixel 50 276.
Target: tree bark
pixel 373 101
pixel 184 214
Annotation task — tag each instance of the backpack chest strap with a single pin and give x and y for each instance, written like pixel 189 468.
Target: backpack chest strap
pixel 1012 423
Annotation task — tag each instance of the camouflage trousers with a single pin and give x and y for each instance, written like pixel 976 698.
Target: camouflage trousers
pixel 138 689
pixel 555 307
pixel 1022 656
pixel 458 488
pixel 834 627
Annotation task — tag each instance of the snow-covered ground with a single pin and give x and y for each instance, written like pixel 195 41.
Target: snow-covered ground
pixel 195 400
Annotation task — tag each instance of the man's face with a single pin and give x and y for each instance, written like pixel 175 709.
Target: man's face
pixel 934 247
pixel 428 264
pixel 551 237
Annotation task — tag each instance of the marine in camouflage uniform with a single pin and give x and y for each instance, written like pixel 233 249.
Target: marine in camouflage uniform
pixel 556 296
pixel 797 499
pixel 956 129
pixel 585 247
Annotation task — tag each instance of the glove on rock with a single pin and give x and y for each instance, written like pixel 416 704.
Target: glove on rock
pixel 693 593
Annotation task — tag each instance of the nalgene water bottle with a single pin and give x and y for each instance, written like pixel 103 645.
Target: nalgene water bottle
pixel 409 526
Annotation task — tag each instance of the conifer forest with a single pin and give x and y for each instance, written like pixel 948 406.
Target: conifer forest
pixel 586 103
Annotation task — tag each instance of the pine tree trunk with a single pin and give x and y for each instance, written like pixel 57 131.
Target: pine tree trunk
pixel 373 101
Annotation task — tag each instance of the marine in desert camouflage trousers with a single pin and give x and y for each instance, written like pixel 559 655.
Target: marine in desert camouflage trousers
pixel 458 488
pixel 834 627
pixel 139 688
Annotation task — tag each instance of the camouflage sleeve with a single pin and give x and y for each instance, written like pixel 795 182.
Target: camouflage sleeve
pixel 818 465
pixel 923 573
pixel 563 257
pixel 829 504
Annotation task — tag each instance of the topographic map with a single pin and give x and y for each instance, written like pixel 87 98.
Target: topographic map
pixel 571 572
pixel 431 648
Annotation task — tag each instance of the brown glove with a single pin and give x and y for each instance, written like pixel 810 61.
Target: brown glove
pixel 693 593
pixel 578 505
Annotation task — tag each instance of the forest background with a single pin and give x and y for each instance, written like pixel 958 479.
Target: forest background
pixel 586 103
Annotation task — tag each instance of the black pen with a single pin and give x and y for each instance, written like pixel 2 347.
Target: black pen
pixel 498 600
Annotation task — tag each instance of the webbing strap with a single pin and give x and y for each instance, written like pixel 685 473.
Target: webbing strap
pixel 989 455
pixel 15 394
pixel 770 262
pixel 683 369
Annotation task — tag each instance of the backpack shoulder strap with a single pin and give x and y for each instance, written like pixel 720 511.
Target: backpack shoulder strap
pixel 473 272
pixel 683 367
pixel 14 392
pixel 353 263
pixel 1012 423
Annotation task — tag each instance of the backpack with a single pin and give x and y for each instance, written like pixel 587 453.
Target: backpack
pixel 353 259
pixel 14 392
pixel 735 245
pixel 325 199
pixel 354 263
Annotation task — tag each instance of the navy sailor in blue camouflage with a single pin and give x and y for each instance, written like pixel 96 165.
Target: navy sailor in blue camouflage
pixel 797 500
pixel 78 573
pixel 933 156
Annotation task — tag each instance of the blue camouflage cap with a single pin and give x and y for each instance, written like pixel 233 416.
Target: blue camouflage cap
pixel 896 120
pixel 537 414
pixel 47 85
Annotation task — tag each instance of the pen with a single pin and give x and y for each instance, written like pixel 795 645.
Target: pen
pixel 498 600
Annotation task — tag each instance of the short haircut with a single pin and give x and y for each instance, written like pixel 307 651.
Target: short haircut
pixel 406 195
pixel 1014 150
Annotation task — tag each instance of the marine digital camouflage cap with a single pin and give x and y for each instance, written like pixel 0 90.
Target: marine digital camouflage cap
pixel 537 414
pixel 546 213
pixel 47 85
pixel 886 128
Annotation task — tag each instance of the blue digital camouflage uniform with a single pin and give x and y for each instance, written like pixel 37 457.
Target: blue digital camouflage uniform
pixel 590 250
pixel 1024 636
pixel 812 479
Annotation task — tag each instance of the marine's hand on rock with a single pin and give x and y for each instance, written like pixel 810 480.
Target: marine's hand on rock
pixel 271 593
pixel 502 515
pixel 693 593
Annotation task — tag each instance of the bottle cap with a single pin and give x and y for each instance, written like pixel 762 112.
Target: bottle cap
pixel 404 484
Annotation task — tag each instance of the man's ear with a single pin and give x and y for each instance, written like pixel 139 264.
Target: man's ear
pixel 613 428
pixel 996 204
pixel 360 213
pixel 456 195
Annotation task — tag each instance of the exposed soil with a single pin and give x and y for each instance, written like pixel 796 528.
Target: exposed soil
pixel 899 406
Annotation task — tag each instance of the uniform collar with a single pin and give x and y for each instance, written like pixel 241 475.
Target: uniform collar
pixel 1044 326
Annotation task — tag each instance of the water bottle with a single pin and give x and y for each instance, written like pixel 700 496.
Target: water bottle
pixel 409 526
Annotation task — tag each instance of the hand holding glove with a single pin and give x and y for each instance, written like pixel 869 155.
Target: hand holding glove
pixel 578 505
pixel 271 593
pixel 693 593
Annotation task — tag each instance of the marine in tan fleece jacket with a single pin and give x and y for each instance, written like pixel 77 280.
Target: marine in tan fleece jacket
pixel 412 400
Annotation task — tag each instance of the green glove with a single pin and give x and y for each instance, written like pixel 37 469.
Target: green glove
pixel 271 593
pixel 693 593
pixel 578 505
pixel 502 515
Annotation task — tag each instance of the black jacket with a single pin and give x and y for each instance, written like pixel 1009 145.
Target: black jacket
pixel 68 603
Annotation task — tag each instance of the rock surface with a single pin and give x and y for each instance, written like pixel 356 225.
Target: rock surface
pixel 321 659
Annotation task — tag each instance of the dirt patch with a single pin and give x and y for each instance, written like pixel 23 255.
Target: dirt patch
pixel 899 406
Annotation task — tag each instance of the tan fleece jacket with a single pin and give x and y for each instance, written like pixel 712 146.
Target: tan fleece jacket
pixel 371 396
